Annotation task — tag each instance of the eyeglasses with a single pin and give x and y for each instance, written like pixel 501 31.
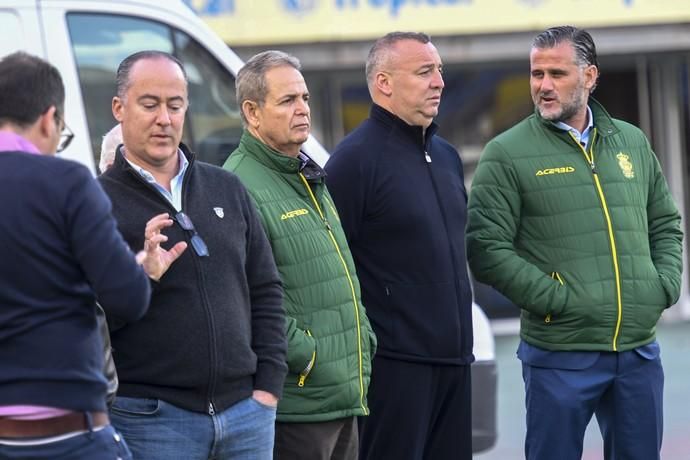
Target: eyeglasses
pixel 66 135
pixel 197 242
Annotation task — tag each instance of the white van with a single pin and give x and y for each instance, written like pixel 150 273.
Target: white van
pixel 87 39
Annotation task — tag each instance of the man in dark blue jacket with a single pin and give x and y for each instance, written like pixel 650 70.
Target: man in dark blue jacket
pixel 400 193
pixel 60 252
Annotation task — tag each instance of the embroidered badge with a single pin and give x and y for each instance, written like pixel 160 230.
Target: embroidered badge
pixel 625 165
pixel 219 212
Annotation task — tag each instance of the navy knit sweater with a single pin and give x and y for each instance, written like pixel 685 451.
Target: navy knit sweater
pixel 60 251
pixel 215 330
pixel 404 217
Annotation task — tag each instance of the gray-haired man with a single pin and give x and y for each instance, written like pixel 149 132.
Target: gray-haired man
pixel 330 342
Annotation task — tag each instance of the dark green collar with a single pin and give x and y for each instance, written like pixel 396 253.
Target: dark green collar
pixel 273 159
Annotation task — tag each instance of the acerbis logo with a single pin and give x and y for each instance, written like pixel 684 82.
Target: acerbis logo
pixel 561 170
pixel 295 213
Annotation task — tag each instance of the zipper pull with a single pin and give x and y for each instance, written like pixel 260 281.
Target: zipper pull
pixel 427 157
pixel 548 318
pixel 211 410
pixel 594 169
pixel 328 226
pixel 307 370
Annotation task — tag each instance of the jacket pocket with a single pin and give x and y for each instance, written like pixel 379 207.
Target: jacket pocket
pixel 136 407
pixel 556 276
pixel 309 367
pixel 373 342
pixel 650 302
pixel 427 319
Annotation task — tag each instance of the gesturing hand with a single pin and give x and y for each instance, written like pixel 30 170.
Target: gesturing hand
pixel 154 259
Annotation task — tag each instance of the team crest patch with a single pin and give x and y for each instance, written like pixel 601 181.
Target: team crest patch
pixel 625 165
pixel 219 212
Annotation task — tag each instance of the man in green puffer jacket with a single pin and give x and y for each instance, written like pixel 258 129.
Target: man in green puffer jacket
pixel 571 218
pixel 330 341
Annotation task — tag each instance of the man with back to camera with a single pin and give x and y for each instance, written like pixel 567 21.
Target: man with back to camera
pixel 201 373
pixel 60 251
pixel 400 193
pixel 330 341
pixel 571 218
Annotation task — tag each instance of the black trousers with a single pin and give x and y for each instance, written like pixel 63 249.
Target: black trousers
pixel 332 440
pixel 418 412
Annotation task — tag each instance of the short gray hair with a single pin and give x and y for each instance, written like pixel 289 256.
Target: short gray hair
pixel 110 142
pixel 378 54
pixel 250 84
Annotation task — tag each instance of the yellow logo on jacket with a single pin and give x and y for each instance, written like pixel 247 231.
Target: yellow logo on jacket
pixel 625 165
pixel 561 170
pixel 295 213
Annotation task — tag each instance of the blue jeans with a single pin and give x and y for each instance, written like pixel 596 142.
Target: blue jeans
pixel 104 444
pixel 157 430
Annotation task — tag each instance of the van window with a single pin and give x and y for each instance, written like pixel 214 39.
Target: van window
pixel 100 42
pixel 9 24
pixel 213 119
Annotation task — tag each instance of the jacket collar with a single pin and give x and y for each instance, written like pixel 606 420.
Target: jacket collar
pixel 122 163
pixel 603 122
pixel 122 169
pixel 415 133
pixel 275 160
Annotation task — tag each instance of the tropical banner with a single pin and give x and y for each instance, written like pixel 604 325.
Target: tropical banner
pixel 255 22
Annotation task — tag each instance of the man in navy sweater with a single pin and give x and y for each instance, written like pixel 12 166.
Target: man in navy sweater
pixel 400 193
pixel 60 252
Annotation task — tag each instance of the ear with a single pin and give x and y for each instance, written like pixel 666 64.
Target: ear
pixel 43 132
pixel 251 111
pixel 591 74
pixel 117 108
pixel 46 123
pixel 383 83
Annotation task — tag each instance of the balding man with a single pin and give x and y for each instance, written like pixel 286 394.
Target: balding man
pixel 399 191
pixel 201 373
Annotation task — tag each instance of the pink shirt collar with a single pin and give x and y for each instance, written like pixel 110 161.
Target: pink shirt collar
pixel 13 142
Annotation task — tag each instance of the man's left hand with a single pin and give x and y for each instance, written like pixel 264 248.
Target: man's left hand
pixel 265 398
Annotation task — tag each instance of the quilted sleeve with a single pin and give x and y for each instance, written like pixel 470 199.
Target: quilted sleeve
pixel 665 234
pixel 493 221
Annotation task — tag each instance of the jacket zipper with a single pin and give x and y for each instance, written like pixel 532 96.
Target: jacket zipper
pixel 200 277
pixel 614 253
pixel 352 290
pixel 440 200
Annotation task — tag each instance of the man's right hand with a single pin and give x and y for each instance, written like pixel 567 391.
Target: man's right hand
pixel 154 259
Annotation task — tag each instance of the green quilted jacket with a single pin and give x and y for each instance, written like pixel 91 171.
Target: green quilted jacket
pixel 586 241
pixel 330 341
